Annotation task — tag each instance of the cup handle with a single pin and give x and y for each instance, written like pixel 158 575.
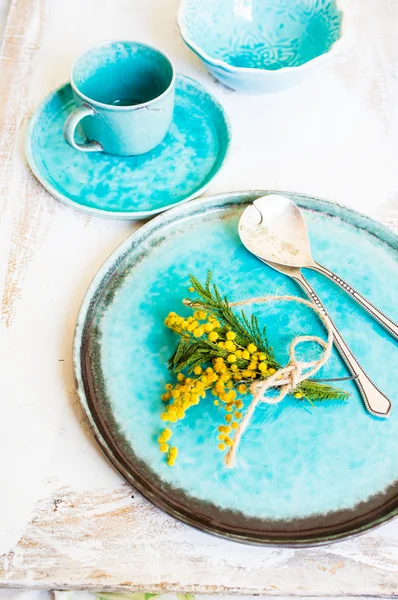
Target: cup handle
pixel 70 126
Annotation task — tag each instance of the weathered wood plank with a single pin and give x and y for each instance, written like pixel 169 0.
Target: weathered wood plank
pixel 117 540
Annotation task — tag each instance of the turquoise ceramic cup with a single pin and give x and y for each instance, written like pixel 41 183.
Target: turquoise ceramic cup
pixel 124 94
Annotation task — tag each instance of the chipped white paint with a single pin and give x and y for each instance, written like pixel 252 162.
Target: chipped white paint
pixel 66 518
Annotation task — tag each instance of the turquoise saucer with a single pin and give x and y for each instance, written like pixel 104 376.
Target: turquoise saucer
pixel 135 187
pixel 305 474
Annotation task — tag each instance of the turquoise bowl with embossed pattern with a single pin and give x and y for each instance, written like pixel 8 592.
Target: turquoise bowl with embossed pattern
pixel 258 46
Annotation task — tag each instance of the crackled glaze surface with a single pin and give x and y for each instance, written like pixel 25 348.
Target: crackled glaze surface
pixel 180 168
pixel 299 467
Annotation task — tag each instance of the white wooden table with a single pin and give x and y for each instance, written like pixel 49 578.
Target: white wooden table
pixel 67 520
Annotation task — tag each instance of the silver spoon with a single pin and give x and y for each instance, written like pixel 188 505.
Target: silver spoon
pixel 252 229
pixel 283 239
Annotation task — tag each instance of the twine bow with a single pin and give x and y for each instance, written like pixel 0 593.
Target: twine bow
pixel 287 378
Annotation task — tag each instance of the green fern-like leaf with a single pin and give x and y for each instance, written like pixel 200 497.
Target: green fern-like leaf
pixel 191 352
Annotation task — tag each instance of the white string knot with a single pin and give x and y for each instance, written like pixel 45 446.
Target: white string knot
pixel 287 378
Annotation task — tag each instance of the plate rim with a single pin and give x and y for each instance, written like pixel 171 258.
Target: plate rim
pixel 98 284
pixel 130 215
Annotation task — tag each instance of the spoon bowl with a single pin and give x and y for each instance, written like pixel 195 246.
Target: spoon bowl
pixel 273 228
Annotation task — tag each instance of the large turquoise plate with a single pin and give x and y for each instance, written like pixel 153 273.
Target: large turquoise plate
pixel 131 187
pixel 304 475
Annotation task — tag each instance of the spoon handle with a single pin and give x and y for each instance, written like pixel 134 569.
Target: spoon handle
pixel 375 401
pixel 381 318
